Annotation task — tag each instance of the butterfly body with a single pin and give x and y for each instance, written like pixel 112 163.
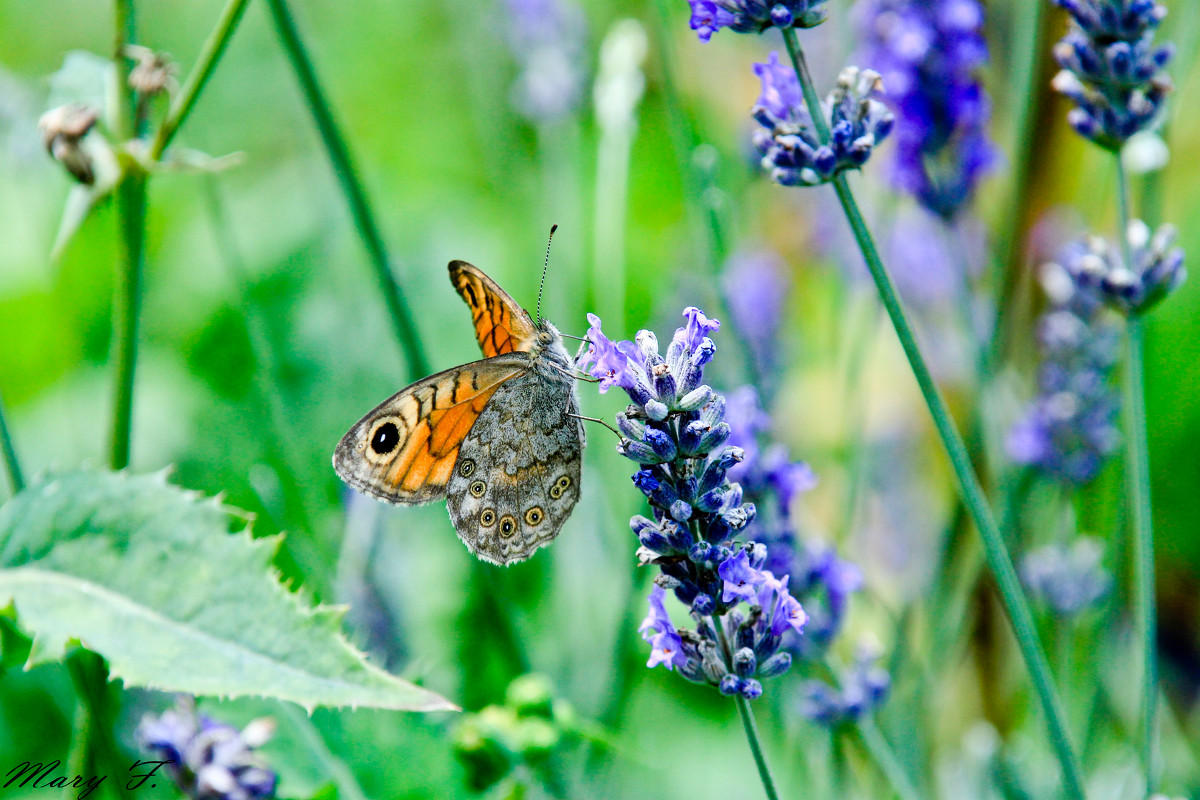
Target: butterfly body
pixel 499 439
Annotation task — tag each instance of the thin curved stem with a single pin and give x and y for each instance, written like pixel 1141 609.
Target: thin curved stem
pixel 885 758
pixel 356 195
pixel 748 725
pixel 760 760
pixel 968 483
pixel 1137 466
pixel 206 62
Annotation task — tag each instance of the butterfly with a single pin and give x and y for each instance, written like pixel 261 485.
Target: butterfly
pixel 500 439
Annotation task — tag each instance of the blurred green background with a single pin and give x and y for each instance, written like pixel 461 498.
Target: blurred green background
pixel 264 337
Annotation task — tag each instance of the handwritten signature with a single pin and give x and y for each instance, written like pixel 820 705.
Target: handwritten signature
pixel 38 772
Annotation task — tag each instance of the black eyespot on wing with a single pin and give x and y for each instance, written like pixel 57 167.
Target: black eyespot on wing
pixel 560 486
pixel 385 438
pixel 534 515
pixel 477 488
pixel 466 468
pixel 508 526
pixel 488 518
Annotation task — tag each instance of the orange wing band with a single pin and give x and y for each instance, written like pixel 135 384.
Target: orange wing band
pixel 431 446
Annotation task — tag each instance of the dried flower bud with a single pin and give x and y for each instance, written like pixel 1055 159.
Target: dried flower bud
pixel 62 130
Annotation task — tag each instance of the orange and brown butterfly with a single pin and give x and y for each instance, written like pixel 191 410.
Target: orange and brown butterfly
pixel 500 438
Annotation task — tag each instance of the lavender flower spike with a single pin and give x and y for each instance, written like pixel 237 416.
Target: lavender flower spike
pixel 928 53
pixel 1111 68
pixel 675 430
pixel 788 140
pixel 753 16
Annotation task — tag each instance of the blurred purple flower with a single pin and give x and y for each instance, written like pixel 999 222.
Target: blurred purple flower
pixel 755 286
pixel 928 53
pixel 1068 580
pixel 864 687
pixel 548 40
pixel 210 760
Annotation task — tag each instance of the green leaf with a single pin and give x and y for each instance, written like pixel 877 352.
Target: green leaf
pixel 148 576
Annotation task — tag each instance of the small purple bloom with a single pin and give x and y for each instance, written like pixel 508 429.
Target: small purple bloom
pixel 612 362
pixel 656 628
pixel 708 18
pixel 781 96
pixel 741 580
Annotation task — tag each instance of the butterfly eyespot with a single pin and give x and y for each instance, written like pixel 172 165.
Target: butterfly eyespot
pixel 488 518
pixel 508 526
pixel 477 488
pixel 385 438
pixel 534 515
pixel 466 468
pixel 560 486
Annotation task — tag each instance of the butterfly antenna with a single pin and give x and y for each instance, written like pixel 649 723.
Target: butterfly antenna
pixel 545 267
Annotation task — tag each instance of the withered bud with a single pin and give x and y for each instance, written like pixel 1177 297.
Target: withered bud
pixel 153 72
pixel 62 129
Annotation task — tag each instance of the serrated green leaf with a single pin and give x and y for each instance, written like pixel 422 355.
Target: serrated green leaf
pixel 148 575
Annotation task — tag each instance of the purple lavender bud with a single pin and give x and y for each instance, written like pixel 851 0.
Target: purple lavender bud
pixel 703 605
pixel 640 452
pixel 662 444
pixel 775 665
pixel 744 662
pixel 752 689
pixel 730 685
pixel 695 399
pixel 630 427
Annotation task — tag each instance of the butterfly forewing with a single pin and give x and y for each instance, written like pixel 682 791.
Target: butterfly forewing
pixel 501 325
pixel 405 449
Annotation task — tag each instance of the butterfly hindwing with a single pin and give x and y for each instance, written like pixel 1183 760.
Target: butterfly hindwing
pixel 501 325
pixel 517 476
pixel 404 450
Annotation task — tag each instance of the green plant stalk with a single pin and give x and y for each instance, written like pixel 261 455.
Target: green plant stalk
pixel 885 758
pixel 743 707
pixel 206 62
pixel 356 196
pixel 968 484
pixel 131 216
pixel 11 462
pixel 89 672
pixel 1137 467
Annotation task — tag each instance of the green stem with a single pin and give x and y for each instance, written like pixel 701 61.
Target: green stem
pixel 760 760
pixel 10 453
pixel 743 707
pixel 885 758
pixel 968 484
pixel 352 187
pixel 131 215
pixel 95 743
pixel 206 62
pixel 1137 466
